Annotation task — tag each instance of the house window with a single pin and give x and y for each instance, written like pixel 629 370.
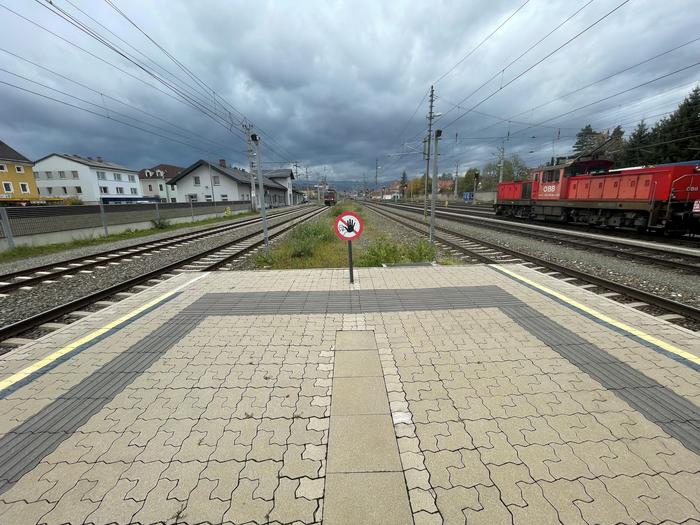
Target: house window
pixel 3 168
pixel 150 187
pixel 19 169
pixel 65 190
pixel 117 176
pixel 104 189
pixel 215 180
pixel 192 197
pixel 120 189
pixel 49 174
pixel 132 178
pixel 78 189
pixel 49 190
pixel 160 186
pixel 196 181
pixel 74 174
pixel 133 191
pixel 173 199
pixel 207 198
pixel 224 198
pixel 100 175
pixel 61 174
pixel 7 187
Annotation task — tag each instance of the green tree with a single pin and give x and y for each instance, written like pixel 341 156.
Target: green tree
pixel 585 139
pixel 637 151
pixel 466 183
pixel 674 138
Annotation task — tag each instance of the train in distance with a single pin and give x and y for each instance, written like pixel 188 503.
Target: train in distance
pixel 664 197
pixel 330 197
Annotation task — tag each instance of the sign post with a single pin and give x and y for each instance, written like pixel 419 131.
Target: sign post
pixel 348 227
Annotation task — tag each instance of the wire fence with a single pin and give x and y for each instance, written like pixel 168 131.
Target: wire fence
pixel 21 221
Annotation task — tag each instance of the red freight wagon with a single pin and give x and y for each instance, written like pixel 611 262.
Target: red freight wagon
pixel 659 197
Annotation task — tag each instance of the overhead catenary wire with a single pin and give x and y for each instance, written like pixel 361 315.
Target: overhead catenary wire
pixel 540 61
pixel 101 115
pixel 483 41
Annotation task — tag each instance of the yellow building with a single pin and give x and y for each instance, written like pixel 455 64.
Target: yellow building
pixel 17 186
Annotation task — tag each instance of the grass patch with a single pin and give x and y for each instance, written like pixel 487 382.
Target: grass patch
pixel 25 252
pixel 315 245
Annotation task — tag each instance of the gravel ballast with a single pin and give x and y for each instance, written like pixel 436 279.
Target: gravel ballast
pixel 25 303
pixel 86 251
pixel 661 281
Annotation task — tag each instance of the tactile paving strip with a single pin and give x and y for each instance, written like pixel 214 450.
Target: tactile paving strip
pixel 27 444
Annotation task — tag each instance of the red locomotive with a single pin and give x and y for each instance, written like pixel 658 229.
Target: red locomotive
pixel 665 197
pixel 330 198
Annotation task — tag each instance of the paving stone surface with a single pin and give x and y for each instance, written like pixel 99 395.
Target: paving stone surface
pixel 486 401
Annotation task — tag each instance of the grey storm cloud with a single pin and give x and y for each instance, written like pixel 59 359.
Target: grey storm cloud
pixel 334 84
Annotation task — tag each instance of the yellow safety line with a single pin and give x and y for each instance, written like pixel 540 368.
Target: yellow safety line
pixel 35 367
pixel 618 324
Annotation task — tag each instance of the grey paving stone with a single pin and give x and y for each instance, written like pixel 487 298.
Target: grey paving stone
pixel 366 498
pixel 363 444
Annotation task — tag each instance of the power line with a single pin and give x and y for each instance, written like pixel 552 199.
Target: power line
pixel 101 115
pixel 470 53
pixel 577 35
pixel 591 84
pixel 110 97
pixel 486 82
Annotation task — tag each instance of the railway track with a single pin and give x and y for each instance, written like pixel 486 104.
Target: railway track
pixel 477 212
pixel 477 250
pixel 47 273
pixel 17 333
pixel 669 256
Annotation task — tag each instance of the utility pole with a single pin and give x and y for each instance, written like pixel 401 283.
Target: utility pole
pixel 501 159
pixel 261 190
pixel 456 167
pixel 427 156
pixel 248 129
pixel 376 172
pixel 364 190
pixel 438 133
pixel 456 178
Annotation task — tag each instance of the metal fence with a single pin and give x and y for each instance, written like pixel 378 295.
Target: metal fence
pixel 20 221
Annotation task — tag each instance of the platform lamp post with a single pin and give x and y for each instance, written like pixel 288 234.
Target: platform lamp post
pixel 261 190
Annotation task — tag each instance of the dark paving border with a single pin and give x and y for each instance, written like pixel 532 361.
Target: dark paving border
pixel 49 427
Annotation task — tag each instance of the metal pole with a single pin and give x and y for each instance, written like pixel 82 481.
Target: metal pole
pixel 103 218
pixel 7 228
pixel 352 280
pixel 157 213
pixel 192 208
pixel 261 190
pixel 456 178
pixel 433 202
pixel 427 157
pixel 500 168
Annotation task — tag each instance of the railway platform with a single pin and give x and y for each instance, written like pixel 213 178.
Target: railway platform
pixel 482 394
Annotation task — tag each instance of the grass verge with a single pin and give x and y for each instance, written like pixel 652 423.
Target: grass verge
pixel 315 245
pixel 24 252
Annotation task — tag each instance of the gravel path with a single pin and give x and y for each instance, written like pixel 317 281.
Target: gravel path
pixel 665 282
pixel 25 303
pixel 58 257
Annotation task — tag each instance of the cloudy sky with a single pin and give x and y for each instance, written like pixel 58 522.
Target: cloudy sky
pixel 335 84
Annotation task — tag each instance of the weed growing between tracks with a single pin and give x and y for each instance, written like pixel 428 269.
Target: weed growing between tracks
pixel 24 252
pixel 315 245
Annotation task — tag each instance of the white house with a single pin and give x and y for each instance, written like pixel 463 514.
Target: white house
pixel 90 179
pixel 207 182
pixel 283 177
pixel 155 182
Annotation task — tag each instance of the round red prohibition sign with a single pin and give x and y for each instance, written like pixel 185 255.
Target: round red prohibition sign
pixel 348 226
